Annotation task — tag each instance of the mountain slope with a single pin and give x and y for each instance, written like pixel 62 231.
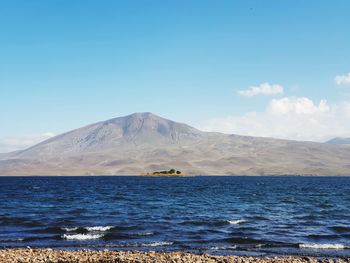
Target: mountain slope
pixel 129 132
pixel 144 142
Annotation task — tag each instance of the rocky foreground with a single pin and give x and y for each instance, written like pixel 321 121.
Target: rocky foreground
pixel 49 255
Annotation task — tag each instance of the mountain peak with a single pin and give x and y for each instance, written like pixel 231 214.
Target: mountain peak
pixel 150 125
pixel 142 115
pixel 137 116
pixel 140 129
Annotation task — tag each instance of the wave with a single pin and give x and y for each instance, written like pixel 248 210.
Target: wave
pixel 151 244
pixel 245 241
pixel 156 244
pixel 82 236
pixel 323 246
pixel 224 248
pixel 99 228
pixel 120 235
pixel 236 222
pixel 88 229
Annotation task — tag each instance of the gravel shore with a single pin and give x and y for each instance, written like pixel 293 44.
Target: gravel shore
pixel 49 255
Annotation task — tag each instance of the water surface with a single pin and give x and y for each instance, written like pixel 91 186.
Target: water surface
pixel 219 215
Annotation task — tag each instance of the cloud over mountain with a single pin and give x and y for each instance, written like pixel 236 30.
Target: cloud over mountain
pixel 301 105
pixel 289 118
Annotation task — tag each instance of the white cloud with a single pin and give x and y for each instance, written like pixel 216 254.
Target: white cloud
pixel 289 118
pixel 297 105
pixel 262 89
pixel 343 79
pixel 14 143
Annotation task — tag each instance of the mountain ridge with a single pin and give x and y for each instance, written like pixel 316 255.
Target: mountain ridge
pixel 144 142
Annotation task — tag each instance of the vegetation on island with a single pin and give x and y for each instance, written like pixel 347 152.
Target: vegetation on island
pixel 170 172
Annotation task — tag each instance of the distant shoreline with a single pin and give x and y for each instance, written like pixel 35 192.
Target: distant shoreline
pixel 45 255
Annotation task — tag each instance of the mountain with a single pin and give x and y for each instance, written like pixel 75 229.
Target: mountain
pixel 144 142
pixel 339 140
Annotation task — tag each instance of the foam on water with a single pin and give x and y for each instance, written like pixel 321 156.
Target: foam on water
pixel 89 228
pixel 323 246
pixel 99 228
pixel 82 236
pixel 136 244
pixel 236 222
pixel 156 244
pixel 224 248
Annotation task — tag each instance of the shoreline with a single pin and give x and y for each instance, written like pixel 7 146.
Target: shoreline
pixel 187 175
pixel 49 255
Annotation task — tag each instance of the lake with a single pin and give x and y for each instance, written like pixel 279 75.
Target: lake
pixel 258 216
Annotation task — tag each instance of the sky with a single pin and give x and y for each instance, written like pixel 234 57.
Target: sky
pixel 274 68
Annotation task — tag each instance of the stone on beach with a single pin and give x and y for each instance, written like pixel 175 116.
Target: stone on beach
pixel 61 256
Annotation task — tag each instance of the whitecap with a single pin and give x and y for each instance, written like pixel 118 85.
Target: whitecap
pixel 236 222
pixel 81 236
pixel 322 246
pixel 224 248
pixel 156 244
pixel 151 244
pixel 98 228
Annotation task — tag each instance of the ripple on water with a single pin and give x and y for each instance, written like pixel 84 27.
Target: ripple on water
pixel 226 214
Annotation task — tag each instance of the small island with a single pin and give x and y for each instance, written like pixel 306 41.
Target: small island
pixel 171 172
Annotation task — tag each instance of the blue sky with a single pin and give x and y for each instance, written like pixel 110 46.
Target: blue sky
pixel 65 64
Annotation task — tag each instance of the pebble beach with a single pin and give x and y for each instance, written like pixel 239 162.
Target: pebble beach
pixel 52 256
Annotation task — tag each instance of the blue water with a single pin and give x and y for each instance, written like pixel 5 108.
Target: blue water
pixel 219 215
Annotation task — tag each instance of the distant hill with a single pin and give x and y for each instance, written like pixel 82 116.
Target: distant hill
pixel 339 140
pixel 143 142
